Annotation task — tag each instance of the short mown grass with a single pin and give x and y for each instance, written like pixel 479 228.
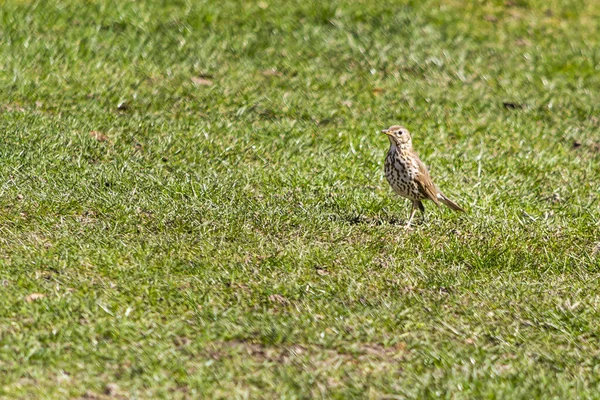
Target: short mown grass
pixel 192 200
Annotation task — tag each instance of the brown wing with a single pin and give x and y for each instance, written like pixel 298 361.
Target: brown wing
pixel 425 184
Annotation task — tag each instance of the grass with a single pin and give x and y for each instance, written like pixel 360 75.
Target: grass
pixel 195 191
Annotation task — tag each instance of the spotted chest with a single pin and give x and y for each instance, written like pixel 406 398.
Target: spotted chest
pixel 401 172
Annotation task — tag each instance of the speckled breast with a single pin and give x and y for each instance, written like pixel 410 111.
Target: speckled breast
pixel 401 173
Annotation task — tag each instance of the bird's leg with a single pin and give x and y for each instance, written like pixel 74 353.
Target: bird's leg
pixel 412 214
pixel 421 207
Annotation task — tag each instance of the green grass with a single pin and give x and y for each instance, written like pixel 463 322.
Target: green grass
pixel 238 239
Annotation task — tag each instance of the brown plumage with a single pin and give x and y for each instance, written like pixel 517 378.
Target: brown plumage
pixel 407 174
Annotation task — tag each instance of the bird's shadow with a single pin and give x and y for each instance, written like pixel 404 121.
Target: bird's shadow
pixel 376 220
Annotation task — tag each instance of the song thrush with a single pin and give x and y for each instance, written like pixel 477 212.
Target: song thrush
pixel 407 174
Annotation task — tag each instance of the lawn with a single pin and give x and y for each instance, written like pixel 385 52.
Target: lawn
pixel 193 204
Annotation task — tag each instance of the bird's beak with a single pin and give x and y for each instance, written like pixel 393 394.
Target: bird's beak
pixel 386 131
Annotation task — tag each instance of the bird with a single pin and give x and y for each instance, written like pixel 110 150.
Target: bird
pixel 408 176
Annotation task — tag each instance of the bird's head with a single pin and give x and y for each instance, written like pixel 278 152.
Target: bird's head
pixel 398 135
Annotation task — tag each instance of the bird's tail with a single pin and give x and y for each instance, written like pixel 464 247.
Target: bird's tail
pixel 452 205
